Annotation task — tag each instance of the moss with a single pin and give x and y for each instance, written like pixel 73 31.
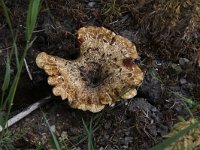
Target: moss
pixel 190 141
pixel 174 25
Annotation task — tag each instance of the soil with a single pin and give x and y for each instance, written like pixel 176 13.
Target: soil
pixel 139 123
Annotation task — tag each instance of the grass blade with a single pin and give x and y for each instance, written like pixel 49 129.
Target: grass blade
pixel 34 5
pixel 175 137
pixel 16 55
pixel 56 143
pixel 6 81
pixel 33 11
pixel 185 103
pixel 89 134
pixel 8 20
pixel 7 75
pixel 12 91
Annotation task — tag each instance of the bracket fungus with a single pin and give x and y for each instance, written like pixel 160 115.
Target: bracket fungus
pixel 103 74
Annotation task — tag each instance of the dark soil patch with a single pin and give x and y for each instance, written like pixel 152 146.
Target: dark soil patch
pixel 139 123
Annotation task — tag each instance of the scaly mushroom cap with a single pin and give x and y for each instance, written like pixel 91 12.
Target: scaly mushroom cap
pixel 103 74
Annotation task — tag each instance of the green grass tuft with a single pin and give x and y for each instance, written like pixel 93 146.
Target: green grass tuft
pixel 175 137
pixel 55 141
pixel 90 128
pixel 8 91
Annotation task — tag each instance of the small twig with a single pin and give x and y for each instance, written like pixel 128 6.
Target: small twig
pixel 113 22
pixel 31 43
pixel 5 48
pixel 27 69
pixel 146 114
pixel 26 112
pixel 2 26
pixel 37 31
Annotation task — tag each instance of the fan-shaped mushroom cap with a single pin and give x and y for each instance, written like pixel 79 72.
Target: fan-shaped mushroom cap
pixel 103 74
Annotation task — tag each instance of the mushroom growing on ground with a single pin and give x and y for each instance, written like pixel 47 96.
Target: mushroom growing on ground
pixel 103 74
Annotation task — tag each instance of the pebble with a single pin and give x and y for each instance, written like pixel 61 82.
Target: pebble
pixel 124 18
pixel 101 148
pixel 125 147
pixel 53 128
pixel 91 4
pixel 183 61
pixel 64 136
pixel 161 63
pixel 183 81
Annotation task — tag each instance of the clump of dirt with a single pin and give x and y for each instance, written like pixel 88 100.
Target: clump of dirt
pixel 147 123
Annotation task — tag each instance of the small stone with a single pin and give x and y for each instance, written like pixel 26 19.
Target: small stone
pixel 64 136
pixel 126 103
pixel 91 4
pixel 76 148
pixel 125 147
pixel 101 148
pixel 183 81
pixel 53 128
pixel 124 18
pixel 183 61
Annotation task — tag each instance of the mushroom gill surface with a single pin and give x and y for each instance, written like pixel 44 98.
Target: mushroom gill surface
pixel 103 74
